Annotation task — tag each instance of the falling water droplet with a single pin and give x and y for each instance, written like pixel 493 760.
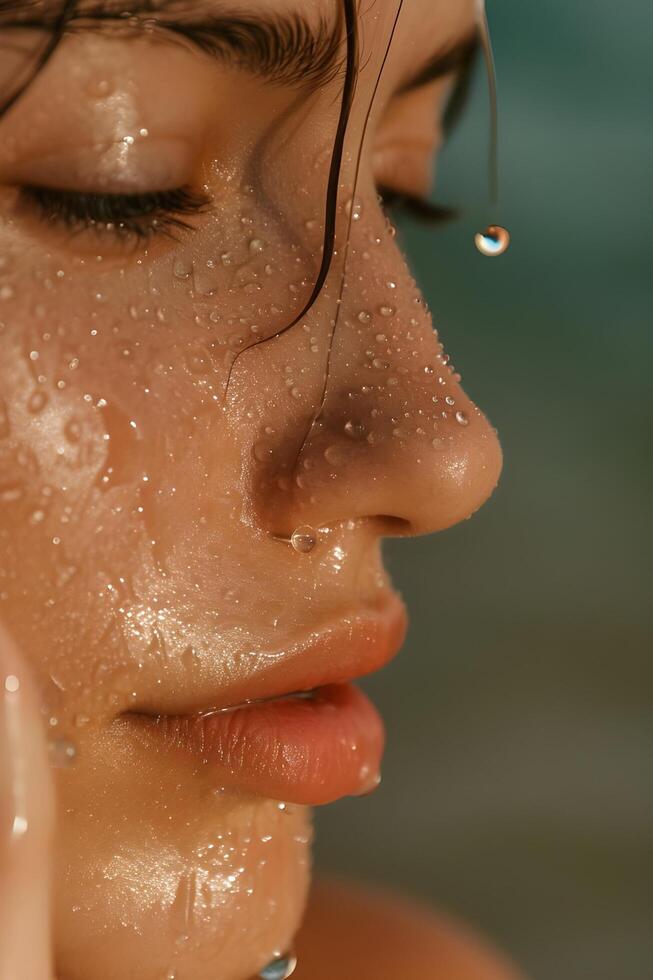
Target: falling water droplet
pixel 62 753
pixel 304 539
pixel 493 241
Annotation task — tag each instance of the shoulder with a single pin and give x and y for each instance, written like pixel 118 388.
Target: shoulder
pixel 361 933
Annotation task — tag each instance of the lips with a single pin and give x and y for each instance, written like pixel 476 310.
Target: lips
pixel 298 731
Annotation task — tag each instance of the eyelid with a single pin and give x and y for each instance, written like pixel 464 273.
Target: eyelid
pixel 407 167
pixel 117 167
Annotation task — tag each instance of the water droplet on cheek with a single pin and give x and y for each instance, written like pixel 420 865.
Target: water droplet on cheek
pixel 62 753
pixel 494 240
pixel 37 402
pixel 354 429
pixel 182 269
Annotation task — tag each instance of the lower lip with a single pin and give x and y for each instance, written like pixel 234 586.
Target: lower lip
pixel 308 750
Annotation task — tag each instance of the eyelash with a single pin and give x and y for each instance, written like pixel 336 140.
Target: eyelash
pixel 139 216
pixel 417 207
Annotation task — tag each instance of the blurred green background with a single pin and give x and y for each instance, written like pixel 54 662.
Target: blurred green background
pixel 517 784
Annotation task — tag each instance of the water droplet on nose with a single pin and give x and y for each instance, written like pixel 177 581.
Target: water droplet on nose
pixel 62 752
pixel 364 316
pixel 387 310
pixel 303 539
pixel 6 292
pixel 493 241
pixel 100 88
pixel 461 418
pixel 263 451
pixel 449 400
pixel 256 246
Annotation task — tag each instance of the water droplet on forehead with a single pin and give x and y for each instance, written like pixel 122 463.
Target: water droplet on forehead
pixel 303 539
pixel 494 240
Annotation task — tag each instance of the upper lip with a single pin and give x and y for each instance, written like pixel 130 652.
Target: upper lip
pixel 355 644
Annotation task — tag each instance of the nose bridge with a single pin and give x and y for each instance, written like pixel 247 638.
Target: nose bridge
pixel 393 434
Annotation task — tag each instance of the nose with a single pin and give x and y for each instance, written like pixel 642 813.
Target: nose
pixel 381 427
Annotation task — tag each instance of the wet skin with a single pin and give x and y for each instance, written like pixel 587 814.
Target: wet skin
pixel 156 456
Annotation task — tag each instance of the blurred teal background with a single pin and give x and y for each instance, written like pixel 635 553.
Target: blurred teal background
pixel 517 784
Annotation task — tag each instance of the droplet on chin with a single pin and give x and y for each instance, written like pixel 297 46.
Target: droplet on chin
pixel 279 968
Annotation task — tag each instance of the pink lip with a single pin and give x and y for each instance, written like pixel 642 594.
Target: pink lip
pixel 310 750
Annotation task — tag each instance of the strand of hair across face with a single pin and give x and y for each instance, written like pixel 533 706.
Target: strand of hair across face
pixel 357 169
pixel 331 209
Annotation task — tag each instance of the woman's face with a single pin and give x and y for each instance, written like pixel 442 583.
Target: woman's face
pixel 162 435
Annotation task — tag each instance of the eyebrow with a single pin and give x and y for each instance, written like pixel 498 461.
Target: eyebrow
pixel 285 48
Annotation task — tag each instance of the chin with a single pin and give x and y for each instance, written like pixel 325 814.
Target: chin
pixel 162 878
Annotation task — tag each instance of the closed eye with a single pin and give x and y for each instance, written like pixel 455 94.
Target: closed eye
pixel 140 216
